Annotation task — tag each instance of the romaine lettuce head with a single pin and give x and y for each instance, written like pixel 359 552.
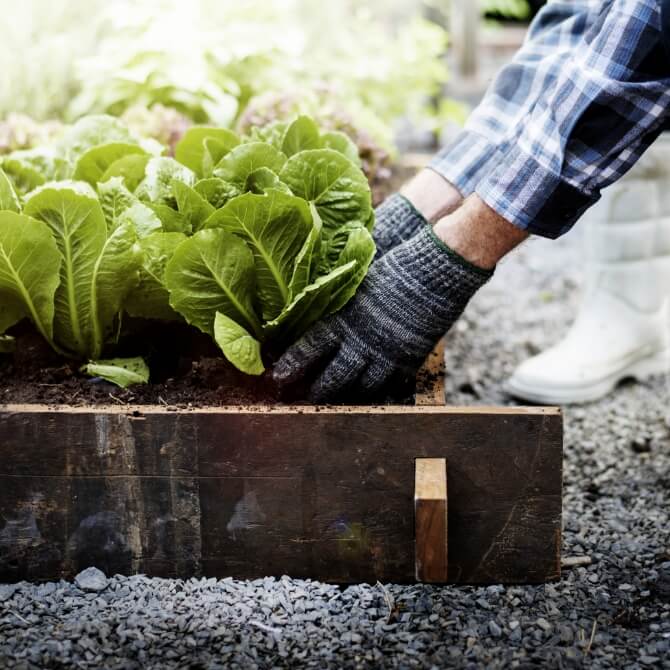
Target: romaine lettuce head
pixel 303 214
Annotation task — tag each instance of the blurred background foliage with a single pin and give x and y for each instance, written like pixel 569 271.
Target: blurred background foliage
pixel 207 59
pixel 506 10
pixel 365 68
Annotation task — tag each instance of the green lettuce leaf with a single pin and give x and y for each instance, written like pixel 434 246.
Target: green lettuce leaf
pixel 273 133
pixel 262 180
pixel 191 205
pixel 332 182
pixel 29 272
pixel 214 152
pixel 130 167
pixel 201 148
pixel 341 143
pixel 370 221
pixel 115 274
pixel 123 372
pixel 93 164
pixel 306 261
pixel 141 218
pixel 121 207
pixel 302 134
pixel 115 198
pixel 9 200
pixel 31 168
pixel 171 220
pixel 92 131
pixel 97 270
pixel 160 173
pixel 236 166
pixel 211 272
pixel 333 245
pixel 216 191
pixel 308 306
pixel 150 299
pixel 275 227
pixel 241 348
pixel 359 247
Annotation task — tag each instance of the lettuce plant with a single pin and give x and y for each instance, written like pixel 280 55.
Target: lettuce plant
pixel 249 239
pixel 280 235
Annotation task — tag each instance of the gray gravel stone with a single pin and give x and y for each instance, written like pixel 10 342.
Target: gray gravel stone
pixel 91 579
pixel 7 591
pixel 662 583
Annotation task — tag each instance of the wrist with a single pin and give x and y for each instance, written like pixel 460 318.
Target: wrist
pixel 478 234
pixel 457 258
pixel 431 195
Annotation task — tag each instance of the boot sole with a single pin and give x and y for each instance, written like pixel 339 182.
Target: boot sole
pixel 646 367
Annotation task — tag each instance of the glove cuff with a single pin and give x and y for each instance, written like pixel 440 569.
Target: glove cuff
pixel 457 258
pixel 427 261
pixel 397 220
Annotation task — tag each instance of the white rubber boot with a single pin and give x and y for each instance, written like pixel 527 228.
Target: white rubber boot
pixel 622 328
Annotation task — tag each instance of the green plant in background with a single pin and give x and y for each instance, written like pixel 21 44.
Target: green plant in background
pixel 198 58
pixel 518 10
pixel 250 239
pixel 372 137
pixel 207 59
pixel 19 131
pixel 164 124
pixel 162 64
pixel 385 55
pixel 41 41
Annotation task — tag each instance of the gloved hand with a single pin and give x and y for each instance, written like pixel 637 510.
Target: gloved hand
pixel 396 220
pixel 409 299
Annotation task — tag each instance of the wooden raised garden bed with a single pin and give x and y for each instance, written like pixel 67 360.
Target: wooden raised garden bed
pixel 319 492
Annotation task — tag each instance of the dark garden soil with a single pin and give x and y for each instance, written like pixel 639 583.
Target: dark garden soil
pixel 187 371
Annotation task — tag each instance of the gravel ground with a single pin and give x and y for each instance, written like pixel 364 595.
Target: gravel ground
pixel 613 612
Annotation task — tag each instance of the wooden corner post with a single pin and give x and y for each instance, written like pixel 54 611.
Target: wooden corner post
pixel 430 519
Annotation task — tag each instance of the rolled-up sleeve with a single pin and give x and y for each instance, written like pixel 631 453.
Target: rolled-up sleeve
pixel 496 122
pixel 604 107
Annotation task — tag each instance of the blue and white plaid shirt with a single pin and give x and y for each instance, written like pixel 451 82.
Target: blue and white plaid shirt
pixel 584 97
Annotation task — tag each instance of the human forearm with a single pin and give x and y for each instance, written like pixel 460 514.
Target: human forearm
pixel 432 195
pixel 478 233
pixel 424 199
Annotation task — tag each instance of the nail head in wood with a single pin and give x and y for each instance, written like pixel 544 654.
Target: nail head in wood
pixel 430 518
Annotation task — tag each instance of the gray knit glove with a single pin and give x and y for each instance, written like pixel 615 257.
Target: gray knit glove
pixel 396 220
pixel 409 299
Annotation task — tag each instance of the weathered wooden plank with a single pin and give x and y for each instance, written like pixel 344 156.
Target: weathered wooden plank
pixel 430 520
pixel 309 491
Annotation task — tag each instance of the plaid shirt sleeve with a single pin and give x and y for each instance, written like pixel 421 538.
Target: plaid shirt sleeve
pixel 583 99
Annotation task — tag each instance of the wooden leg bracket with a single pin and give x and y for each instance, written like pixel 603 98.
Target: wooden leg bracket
pixel 430 518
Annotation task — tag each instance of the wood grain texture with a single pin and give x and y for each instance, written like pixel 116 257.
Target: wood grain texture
pixel 314 492
pixel 430 520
